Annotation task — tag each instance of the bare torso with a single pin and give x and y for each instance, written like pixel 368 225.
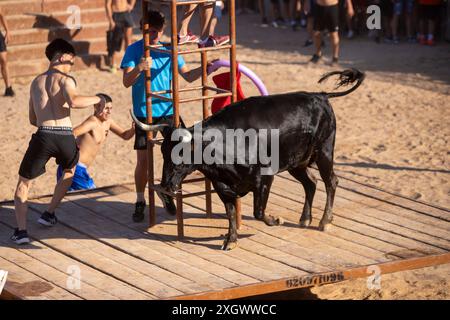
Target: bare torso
pixel 49 103
pixel 327 2
pixel 119 5
pixel 90 143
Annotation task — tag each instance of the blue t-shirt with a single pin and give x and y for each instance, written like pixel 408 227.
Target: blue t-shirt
pixel 161 77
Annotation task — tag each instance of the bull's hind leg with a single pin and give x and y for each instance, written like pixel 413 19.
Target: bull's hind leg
pixel 309 182
pixel 260 197
pixel 325 165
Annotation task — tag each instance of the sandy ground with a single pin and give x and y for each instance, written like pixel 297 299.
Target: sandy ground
pixel 392 132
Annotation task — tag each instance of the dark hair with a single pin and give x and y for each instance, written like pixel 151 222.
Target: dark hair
pixel 104 96
pixel 156 19
pixel 58 46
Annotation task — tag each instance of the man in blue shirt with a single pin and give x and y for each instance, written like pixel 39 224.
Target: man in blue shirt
pixel 160 65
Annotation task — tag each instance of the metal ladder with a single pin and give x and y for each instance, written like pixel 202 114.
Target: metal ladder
pixel 176 101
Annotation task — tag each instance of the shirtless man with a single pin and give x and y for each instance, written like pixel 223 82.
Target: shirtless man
pixel 120 26
pixel 52 96
pixel 90 136
pixel 326 16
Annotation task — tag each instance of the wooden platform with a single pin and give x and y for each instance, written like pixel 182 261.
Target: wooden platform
pixel 119 259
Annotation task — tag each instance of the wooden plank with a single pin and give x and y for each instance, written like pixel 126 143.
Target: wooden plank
pixel 319 279
pixel 139 244
pixel 120 265
pixel 283 241
pixel 107 286
pixel 373 251
pixel 385 231
pixel 24 285
pixel 376 195
pixel 366 215
pixel 29 258
pixel 383 210
pixel 240 261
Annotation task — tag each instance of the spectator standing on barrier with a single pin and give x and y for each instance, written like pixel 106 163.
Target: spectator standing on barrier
pixel 429 11
pixel 326 17
pixel 208 38
pixel 120 27
pixel 4 39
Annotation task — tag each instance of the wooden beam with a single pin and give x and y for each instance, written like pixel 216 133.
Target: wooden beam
pixel 318 279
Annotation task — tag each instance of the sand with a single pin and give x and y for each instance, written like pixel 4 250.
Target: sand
pixel 392 132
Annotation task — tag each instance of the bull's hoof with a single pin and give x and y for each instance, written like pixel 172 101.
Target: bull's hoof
pixel 229 245
pixel 324 226
pixel 272 221
pixel 305 223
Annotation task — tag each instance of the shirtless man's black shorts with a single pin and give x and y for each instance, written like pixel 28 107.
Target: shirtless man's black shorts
pixel 122 20
pixel 326 18
pixel 2 43
pixel 46 143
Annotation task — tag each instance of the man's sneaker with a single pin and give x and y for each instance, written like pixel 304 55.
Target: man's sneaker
pixel 315 58
pixel 308 42
pixel 168 203
pixel 350 34
pixel 189 38
pixel 264 22
pixel 138 215
pixel 48 219
pixel 9 92
pixel 214 41
pixel 220 40
pixel 20 236
pixel 278 23
pixel 334 61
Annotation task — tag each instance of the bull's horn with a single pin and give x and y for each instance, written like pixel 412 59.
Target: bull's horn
pixel 147 127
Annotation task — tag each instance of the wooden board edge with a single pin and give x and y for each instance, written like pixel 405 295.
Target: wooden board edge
pixel 291 283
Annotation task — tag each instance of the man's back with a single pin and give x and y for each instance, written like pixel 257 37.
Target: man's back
pixel 48 100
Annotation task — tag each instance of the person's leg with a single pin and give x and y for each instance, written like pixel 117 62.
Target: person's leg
pixel 61 188
pixel 206 14
pixel 317 38
pixel 396 17
pixel 128 37
pixel 334 38
pixel 20 202
pixel 4 67
pixel 183 26
pixel 140 173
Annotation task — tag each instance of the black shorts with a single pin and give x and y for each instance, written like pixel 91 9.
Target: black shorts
pixel 114 38
pixel 46 143
pixel 326 17
pixel 2 43
pixel 276 1
pixel 386 8
pixel 429 12
pixel 123 20
pixel 140 136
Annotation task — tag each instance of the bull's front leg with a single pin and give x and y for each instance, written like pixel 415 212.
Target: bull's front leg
pixel 230 241
pixel 260 197
pixel 228 197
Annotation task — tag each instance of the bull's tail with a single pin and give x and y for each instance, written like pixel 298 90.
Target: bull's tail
pixel 346 77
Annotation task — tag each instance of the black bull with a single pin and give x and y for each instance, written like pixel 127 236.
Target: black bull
pixel 307 130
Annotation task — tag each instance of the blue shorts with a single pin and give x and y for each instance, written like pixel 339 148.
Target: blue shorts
pixel 400 5
pixel 81 179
